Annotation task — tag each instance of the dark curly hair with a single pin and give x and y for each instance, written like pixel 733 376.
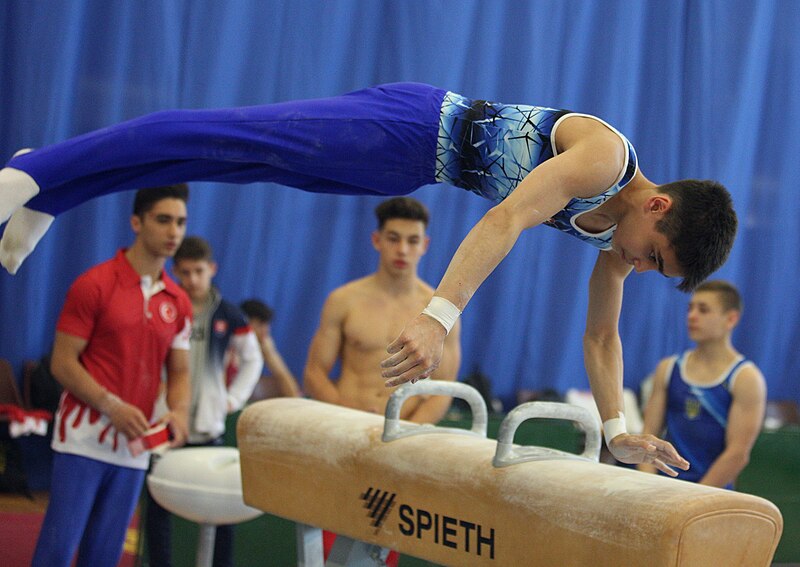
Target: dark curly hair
pixel 194 248
pixel 401 208
pixel 146 198
pixel 257 309
pixel 701 226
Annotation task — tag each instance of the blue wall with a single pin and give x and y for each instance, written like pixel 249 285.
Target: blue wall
pixel 705 89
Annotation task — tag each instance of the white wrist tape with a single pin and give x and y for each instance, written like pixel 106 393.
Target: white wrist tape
pixel 443 311
pixel 614 427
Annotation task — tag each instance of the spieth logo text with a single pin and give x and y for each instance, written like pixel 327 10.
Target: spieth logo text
pixel 441 529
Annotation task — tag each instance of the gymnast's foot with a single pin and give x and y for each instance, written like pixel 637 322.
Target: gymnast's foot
pixel 23 232
pixel 16 189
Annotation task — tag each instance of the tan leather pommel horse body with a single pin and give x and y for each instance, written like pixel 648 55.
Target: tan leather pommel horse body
pixel 436 494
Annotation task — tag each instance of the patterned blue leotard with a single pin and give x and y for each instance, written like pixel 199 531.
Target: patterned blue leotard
pixel 488 148
pixel 385 140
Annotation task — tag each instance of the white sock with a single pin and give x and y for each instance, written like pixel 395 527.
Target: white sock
pixel 16 188
pixel 23 232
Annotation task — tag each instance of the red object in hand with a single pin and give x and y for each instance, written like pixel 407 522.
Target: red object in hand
pixel 155 438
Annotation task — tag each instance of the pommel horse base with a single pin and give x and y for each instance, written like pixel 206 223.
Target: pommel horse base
pixel 454 497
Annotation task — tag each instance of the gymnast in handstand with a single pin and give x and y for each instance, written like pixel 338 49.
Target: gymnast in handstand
pixel 540 165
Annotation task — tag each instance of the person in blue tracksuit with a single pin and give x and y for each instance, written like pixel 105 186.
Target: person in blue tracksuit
pixel 219 329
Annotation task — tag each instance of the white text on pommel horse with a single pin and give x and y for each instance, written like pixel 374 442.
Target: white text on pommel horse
pixel 446 530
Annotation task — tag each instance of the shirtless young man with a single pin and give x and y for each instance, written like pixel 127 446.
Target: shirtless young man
pixel 540 165
pixel 361 317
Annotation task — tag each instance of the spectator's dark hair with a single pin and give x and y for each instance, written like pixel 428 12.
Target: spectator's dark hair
pixel 701 226
pixel 728 294
pixel 401 208
pixel 146 198
pixel 257 309
pixel 194 248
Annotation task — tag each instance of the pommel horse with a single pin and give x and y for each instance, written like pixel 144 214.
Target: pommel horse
pixel 454 497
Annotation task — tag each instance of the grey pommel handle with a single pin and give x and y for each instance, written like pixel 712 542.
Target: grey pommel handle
pixel 394 428
pixel 510 454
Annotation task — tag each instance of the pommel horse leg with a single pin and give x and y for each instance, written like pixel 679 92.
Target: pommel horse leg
pixel 347 552
pixel 309 546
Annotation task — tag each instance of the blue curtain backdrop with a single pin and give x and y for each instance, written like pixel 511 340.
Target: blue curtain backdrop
pixel 706 89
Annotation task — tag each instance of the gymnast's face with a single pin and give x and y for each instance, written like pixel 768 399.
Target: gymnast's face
pixel 195 277
pixel 401 243
pixel 639 243
pixel 160 230
pixel 707 319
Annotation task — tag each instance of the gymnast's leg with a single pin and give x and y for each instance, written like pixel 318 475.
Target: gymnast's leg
pixel 107 525
pixel 380 140
pixel 332 139
pixel 26 226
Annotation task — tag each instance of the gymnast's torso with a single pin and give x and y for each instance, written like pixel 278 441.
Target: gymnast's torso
pixel 697 415
pixel 371 318
pixel 488 148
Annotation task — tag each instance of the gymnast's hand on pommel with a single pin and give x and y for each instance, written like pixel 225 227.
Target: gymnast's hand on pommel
pixel 416 353
pixel 635 449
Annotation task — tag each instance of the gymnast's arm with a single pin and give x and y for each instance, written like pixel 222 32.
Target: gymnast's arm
pixel 745 417
pixel 656 408
pixel 278 369
pixel 576 172
pixel 178 395
pixel 602 352
pixel 325 350
pixel 250 363
pixel 66 367
pixel 434 408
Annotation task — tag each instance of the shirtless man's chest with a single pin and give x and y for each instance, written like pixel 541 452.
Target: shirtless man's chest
pixel 373 321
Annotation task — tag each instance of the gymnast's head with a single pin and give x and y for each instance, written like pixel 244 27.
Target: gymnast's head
pixel 406 208
pixel 259 316
pixel 146 198
pixel 700 225
pixel 401 239
pixel 159 218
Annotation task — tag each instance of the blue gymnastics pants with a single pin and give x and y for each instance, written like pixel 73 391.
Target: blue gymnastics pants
pixel 378 141
pixel 91 504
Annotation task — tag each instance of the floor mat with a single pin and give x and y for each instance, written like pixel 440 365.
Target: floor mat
pixel 18 534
